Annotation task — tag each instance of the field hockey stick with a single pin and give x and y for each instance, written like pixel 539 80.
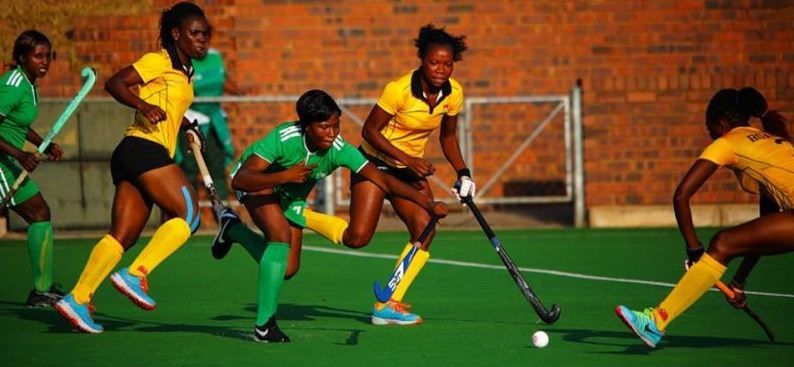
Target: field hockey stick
pixel 217 204
pixel 384 294
pixel 730 294
pixel 89 77
pixel 548 316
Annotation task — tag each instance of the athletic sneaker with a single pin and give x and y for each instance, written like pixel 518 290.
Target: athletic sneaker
pixel 79 315
pixel 222 244
pixel 270 333
pixel 44 299
pixel 38 299
pixel 134 287
pixel 392 312
pixel 641 323
pixel 56 292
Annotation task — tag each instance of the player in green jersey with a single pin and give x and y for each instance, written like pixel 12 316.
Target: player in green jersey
pixel 273 178
pixel 19 105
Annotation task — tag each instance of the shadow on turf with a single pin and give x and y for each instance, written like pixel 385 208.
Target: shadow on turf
pixel 294 312
pixel 287 312
pixel 633 344
pixel 57 324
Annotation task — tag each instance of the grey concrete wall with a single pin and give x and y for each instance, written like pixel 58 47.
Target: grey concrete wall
pixel 79 189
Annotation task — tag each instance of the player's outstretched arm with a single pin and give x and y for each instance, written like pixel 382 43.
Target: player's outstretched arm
pixel 396 187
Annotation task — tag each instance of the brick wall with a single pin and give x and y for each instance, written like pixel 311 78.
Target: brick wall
pixel 648 67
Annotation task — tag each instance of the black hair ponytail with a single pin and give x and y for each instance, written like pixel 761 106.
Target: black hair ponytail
pixel 754 104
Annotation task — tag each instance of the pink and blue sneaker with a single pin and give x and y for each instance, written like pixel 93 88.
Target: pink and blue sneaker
pixel 393 313
pixel 641 323
pixel 79 315
pixel 134 287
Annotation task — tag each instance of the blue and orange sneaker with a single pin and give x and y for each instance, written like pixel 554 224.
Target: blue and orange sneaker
pixel 393 313
pixel 134 287
pixel 641 323
pixel 79 315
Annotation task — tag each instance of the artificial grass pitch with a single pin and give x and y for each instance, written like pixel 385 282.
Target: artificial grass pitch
pixel 474 313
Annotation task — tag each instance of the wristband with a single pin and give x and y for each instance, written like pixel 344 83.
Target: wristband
pixel 695 252
pixel 464 172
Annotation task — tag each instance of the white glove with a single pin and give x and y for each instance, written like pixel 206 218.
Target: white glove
pixel 464 187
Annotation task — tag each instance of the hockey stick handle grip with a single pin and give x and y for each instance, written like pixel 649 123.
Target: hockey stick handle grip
pixel 202 165
pixel 724 289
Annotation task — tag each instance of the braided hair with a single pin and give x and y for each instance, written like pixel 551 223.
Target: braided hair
pixel 430 35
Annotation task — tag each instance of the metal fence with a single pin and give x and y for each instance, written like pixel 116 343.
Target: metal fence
pixel 521 149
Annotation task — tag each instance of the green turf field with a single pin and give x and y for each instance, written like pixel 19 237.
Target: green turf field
pixel 474 314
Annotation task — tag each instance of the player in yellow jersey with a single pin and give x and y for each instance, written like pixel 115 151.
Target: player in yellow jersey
pixel 395 135
pixel 763 161
pixel 143 168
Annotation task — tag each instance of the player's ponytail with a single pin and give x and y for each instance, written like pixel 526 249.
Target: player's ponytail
pixel 754 104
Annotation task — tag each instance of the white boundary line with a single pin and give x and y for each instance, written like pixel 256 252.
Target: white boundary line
pixel 528 270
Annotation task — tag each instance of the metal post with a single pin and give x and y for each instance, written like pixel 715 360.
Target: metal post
pixel 578 153
pixel 328 188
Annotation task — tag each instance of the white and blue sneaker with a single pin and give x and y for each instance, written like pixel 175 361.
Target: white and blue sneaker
pixel 641 323
pixel 393 313
pixel 134 287
pixel 221 244
pixel 79 315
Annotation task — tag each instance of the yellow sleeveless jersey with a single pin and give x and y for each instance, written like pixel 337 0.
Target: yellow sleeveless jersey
pixel 758 159
pixel 413 121
pixel 170 89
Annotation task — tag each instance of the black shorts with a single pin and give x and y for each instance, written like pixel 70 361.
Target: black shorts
pixel 403 174
pixel 135 156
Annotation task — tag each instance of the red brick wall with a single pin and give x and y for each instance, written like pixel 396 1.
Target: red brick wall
pixel 648 67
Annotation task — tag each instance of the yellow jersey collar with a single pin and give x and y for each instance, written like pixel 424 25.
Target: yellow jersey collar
pixel 177 64
pixel 416 87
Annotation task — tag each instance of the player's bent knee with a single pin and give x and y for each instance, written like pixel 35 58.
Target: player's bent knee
pixel 355 239
pixel 355 243
pixel 720 247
